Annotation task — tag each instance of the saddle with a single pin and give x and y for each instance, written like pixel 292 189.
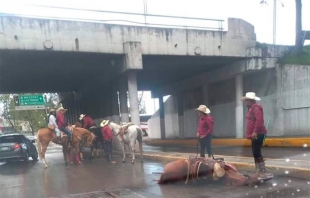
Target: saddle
pixel 202 167
pixel 124 129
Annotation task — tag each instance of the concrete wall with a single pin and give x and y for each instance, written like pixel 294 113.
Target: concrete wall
pixel 285 97
pixel 40 34
pixel 171 117
pixel 154 126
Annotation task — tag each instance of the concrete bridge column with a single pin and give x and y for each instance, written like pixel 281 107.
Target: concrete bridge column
pixel 239 106
pixel 162 117
pixel 132 63
pixel 181 114
pixel 123 101
pixel 115 107
pixel 133 97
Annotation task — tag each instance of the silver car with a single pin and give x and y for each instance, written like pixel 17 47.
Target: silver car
pixel 17 146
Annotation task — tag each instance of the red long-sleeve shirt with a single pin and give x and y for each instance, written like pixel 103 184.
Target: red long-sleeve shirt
pixel 60 119
pixel 255 120
pixel 205 126
pixel 107 133
pixel 88 122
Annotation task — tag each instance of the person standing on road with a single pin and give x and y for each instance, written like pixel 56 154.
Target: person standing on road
pixel 107 135
pixel 256 132
pixel 61 122
pixel 204 131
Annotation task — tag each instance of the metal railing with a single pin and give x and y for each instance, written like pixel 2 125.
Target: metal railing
pixel 218 22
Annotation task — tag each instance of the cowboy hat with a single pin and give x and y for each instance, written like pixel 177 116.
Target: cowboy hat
pixel 104 123
pixel 204 109
pixel 52 110
pixel 250 96
pixel 82 116
pixel 218 171
pixel 61 109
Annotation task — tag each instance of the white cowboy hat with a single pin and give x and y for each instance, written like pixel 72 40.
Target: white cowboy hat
pixel 251 96
pixel 218 171
pixel 82 116
pixel 61 109
pixel 104 123
pixel 204 109
pixel 52 110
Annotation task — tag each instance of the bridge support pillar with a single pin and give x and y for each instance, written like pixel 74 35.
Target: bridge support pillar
pixel 123 101
pixel 133 97
pixel 181 114
pixel 239 106
pixel 162 117
pixel 115 107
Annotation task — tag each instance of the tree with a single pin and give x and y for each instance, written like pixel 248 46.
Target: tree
pixel 298 25
pixel 141 103
pixel 34 118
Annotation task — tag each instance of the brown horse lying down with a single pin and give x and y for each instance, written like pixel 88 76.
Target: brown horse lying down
pixel 200 168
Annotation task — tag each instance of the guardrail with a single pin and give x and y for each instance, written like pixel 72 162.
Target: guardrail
pixel 217 24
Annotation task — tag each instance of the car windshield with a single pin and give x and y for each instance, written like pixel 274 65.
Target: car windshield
pixel 11 139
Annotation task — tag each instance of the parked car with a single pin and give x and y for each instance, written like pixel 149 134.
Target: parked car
pixel 17 146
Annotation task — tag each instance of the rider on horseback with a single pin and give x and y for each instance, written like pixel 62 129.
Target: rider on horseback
pixel 87 122
pixel 62 123
pixel 52 123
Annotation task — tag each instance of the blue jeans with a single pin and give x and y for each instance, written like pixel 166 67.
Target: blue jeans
pixel 66 131
pixel 108 149
pixel 205 143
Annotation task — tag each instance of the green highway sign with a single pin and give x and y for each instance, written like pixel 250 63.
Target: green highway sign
pixel 29 102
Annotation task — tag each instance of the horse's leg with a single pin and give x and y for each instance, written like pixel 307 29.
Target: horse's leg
pixel 129 150
pixel 77 151
pixel 44 148
pixel 65 153
pixel 123 150
pixel 96 145
pixel 91 156
pixel 132 145
pixel 141 151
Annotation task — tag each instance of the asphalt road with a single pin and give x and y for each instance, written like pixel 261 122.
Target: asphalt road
pixel 98 179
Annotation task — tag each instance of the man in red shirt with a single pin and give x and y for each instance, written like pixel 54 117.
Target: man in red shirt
pixel 87 122
pixel 61 121
pixel 205 129
pixel 256 131
pixel 107 135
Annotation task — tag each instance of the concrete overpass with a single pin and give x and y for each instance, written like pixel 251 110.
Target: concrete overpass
pixel 89 63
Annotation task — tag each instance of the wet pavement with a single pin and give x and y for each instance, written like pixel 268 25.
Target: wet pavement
pixel 268 152
pixel 94 179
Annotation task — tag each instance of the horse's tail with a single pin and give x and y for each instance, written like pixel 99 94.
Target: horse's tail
pixel 139 138
pixel 39 146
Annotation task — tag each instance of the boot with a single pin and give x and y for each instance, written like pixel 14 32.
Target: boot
pixel 59 139
pixel 262 170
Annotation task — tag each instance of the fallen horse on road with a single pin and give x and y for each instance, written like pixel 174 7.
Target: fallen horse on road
pixel 198 168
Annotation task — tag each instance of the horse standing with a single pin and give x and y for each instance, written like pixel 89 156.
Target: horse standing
pixel 97 132
pixel 134 133
pixel 46 135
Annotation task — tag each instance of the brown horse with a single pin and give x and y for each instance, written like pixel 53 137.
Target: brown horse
pixel 200 168
pixel 46 135
pixel 97 132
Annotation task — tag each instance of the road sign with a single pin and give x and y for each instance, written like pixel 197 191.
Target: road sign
pixel 29 102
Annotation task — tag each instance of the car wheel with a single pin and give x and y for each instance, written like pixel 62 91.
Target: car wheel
pixel 26 157
pixel 35 156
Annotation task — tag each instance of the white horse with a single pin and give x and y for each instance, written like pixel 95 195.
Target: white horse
pixel 129 139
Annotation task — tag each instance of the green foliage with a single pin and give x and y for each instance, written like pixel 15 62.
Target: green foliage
pixel 298 59
pixel 35 119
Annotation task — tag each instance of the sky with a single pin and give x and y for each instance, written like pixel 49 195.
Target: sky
pixel 261 16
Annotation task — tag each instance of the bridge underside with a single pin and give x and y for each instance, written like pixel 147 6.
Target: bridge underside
pixel 45 71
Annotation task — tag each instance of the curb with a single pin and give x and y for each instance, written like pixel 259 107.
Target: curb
pixel 269 142
pixel 299 173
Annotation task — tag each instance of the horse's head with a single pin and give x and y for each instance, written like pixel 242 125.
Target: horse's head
pixel 90 139
pixel 77 124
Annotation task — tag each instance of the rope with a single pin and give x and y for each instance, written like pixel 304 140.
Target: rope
pixel 187 177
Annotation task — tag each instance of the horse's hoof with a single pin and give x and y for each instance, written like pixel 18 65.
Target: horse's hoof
pixel 79 162
pixel 141 161
pixel 133 162
pixel 123 161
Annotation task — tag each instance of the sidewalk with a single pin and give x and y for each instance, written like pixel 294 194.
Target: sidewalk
pixel 293 168
pixel 269 142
